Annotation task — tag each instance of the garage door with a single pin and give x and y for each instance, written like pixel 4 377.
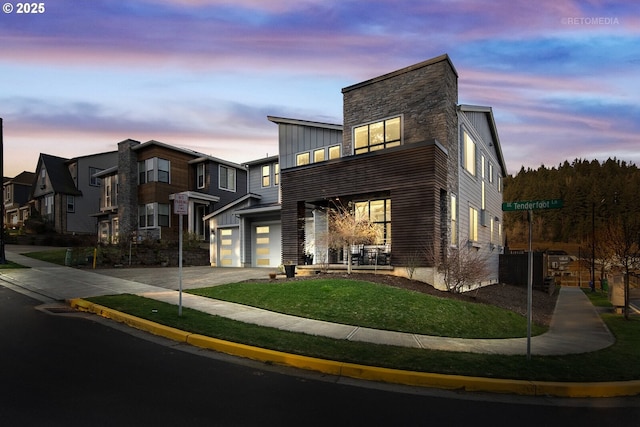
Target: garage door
pixel 228 247
pixel 266 245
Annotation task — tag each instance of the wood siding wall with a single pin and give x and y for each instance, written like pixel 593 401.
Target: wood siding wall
pixel 412 176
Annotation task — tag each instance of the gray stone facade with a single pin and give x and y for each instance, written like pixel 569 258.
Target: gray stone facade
pixel 424 94
pixel 128 187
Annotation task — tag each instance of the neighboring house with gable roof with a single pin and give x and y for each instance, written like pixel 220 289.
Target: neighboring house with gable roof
pixel 65 192
pixel 16 192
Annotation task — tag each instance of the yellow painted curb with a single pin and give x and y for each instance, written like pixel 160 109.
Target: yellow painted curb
pixel 265 355
pixel 135 322
pixel 371 373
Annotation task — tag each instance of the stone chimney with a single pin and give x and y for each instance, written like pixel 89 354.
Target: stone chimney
pixel 128 187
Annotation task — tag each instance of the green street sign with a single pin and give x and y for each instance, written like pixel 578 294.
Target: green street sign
pixel 532 205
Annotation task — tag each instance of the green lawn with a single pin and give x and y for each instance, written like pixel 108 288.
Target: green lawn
pixel 616 363
pixel 371 305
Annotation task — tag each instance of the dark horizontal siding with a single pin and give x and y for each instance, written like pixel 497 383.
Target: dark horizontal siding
pixel 411 175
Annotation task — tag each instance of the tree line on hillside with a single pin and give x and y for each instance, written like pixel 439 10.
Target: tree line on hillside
pixel 594 195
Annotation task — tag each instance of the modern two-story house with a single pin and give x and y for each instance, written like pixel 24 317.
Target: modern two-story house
pixel 424 170
pixel 139 188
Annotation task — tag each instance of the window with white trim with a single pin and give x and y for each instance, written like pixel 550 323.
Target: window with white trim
pixel 334 152
pixel 93 181
pixel 71 204
pixel 469 154
pixel 153 215
pixel 454 220
pixel 473 224
pixel 266 175
pixel 227 178
pixel 318 155
pixel 303 159
pixel 200 175
pixel 154 169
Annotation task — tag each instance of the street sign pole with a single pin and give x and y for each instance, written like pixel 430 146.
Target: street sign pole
pixel 180 264
pixel 529 206
pixel 181 208
pixel 530 285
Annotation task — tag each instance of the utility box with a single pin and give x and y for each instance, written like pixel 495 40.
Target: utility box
pixel 616 291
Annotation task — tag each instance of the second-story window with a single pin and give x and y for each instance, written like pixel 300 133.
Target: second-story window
pixel 110 191
pixel 266 175
pixel 276 174
pixel 334 152
pixel 227 178
pixel 469 154
pixel 154 170
pixel 377 136
pixel 318 155
pixel 303 159
pixel 93 181
pixel 200 174
pixel 71 204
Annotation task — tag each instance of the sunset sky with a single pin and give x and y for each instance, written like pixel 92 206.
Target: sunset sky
pixel 562 77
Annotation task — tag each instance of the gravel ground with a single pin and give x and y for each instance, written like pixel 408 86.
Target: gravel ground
pixel 509 297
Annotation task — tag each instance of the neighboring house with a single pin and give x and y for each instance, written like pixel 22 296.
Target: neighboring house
pixel 65 192
pixel 427 172
pixel 16 192
pixel 247 231
pixel 138 190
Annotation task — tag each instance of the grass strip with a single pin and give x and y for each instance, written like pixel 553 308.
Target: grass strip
pixel 619 362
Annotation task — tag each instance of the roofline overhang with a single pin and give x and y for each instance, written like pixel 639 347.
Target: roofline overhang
pixel 443 57
pixel 308 123
pixel 492 127
pixel 194 195
pixel 257 210
pixel 232 204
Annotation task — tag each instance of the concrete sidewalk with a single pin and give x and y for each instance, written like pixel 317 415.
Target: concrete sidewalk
pixel 576 327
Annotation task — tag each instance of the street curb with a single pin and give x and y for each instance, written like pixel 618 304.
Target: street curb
pixel 371 373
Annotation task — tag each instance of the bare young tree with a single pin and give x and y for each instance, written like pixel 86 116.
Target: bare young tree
pixel 623 237
pixel 462 267
pixel 348 228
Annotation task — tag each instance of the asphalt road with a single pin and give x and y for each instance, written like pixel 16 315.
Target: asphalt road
pixel 78 369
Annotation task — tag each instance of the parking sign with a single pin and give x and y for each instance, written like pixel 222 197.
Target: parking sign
pixel 181 204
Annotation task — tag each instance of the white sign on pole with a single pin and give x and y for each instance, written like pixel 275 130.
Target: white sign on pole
pixel 180 208
pixel 181 204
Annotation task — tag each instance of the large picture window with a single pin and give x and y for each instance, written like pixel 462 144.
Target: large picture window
pixel 378 212
pixel 377 136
